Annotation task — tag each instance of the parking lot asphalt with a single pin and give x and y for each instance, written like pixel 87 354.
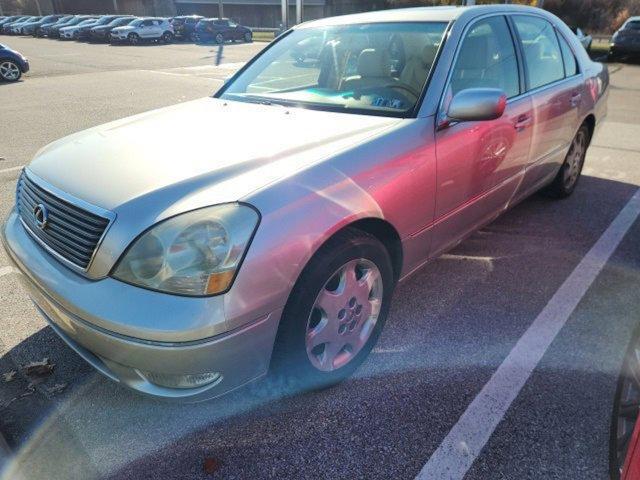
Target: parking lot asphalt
pixel 451 327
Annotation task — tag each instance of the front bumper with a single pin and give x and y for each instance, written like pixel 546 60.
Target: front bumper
pixel 238 356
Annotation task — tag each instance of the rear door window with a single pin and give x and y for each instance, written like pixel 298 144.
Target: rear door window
pixel 542 56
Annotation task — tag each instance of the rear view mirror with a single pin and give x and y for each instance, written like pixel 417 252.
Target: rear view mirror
pixel 475 104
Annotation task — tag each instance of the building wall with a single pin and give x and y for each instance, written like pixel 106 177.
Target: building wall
pixel 265 16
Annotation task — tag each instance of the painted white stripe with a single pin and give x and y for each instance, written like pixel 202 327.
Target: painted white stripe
pixel 12 169
pixel 5 271
pixel 457 452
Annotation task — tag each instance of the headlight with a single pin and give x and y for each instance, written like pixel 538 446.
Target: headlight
pixel 196 253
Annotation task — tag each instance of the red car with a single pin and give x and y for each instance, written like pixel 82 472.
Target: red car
pixel 625 427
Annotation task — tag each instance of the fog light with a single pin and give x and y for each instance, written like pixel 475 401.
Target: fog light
pixel 182 381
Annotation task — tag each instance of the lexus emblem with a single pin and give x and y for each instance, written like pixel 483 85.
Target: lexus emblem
pixel 41 215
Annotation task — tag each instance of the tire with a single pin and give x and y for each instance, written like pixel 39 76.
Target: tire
pixel 194 38
pixel 167 37
pixel 302 362
pixel 219 38
pixel 248 37
pixel 568 176
pixel 10 71
pixel 134 38
pixel 627 398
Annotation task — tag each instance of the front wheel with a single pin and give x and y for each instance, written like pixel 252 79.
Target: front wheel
pixel 248 37
pixel 134 38
pixel 567 178
pixel 9 71
pixel 335 312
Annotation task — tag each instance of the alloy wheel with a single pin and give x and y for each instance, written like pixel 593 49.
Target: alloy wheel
pixel 134 39
pixel 344 315
pixel 575 159
pixel 9 71
pixel 219 38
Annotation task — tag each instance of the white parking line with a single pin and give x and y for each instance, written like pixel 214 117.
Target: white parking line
pixel 11 169
pixel 457 452
pixel 5 271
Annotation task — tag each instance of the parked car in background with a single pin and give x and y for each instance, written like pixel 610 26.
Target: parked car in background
pixel 188 278
pixel 220 30
pixel 585 40
pixel 8 20
pixel 103 32
pixel 29 28
pixel 143 29
pixel 14 27
pixel 184 27
pixel 39 31
pixel 74 32
pixel 83 29
pixel 12 64
pixel 625 42
pixel 54 31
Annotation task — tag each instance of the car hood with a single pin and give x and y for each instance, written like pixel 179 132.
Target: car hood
pixel 197 153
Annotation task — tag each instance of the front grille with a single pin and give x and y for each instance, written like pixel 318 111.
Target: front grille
pixel 71 232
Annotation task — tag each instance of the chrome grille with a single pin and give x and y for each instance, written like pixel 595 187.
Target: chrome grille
pixel 71 232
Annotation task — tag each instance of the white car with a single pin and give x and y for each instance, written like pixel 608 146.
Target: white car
pixel 143 29
pixel 72 32
pixel 585 40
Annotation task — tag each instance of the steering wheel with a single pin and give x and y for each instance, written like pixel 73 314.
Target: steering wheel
pixel 405 87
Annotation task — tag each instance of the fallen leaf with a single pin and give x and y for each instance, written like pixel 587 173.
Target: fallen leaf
pixel 211 465
pixel 57 388
pixel 38 370
pixel 9 376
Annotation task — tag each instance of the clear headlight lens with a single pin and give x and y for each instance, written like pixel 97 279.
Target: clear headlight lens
pixel 196 253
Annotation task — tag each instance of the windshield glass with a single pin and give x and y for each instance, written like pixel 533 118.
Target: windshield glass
pixel 136 23
pixel 121 21
pixel 377 69
pixel 86 22
pixel 633 25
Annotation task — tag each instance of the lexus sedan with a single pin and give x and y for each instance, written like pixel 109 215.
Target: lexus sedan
pixel 277 245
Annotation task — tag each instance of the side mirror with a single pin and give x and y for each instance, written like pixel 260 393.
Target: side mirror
pixel 475 104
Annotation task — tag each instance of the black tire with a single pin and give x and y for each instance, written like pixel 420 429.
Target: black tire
pixel 134 38
pixel 290 362
pixel 9 71
pixel 627 394
pixel 167 37
pixel 564 183
pixel 248 37
pixel 219 38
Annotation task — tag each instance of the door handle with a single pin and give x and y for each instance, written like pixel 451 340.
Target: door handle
pixel 522 122
pixel 575 99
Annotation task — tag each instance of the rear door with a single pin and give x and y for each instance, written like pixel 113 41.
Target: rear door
pixel 480 164
pixel 556 89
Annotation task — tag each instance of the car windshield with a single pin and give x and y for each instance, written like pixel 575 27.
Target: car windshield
pixel 634 25
pixel 136 23
pixel 86 22
pixel 376 69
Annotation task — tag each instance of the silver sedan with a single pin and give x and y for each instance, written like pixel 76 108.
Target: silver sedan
pixel 187 251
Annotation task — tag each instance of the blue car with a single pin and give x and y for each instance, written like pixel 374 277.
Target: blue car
pixel 12 64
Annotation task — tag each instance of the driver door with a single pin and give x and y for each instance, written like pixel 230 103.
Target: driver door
pixel 481 163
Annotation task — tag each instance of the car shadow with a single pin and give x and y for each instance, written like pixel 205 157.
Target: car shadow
pixel 451 324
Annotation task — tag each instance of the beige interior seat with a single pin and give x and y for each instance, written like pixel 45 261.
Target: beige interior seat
pixel 417 67
pixel 373 70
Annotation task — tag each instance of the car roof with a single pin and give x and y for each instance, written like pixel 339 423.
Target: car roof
pixel 419 14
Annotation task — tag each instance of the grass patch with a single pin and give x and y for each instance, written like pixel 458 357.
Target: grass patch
pixel 263 36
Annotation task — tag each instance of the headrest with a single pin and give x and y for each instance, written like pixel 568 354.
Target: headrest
pixel 429 53
pixel 371 63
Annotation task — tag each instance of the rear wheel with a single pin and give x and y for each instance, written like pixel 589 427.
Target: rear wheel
pixel 167 37
pixel 9 71
pixel 335 312
pixel 219 38
pixel 248 37
pixel 567 178
pixel 134 38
